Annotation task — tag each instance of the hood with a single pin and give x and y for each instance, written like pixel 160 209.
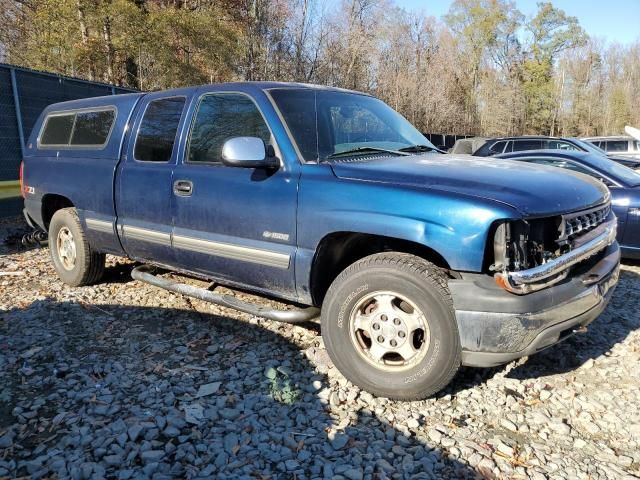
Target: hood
pixel 533 190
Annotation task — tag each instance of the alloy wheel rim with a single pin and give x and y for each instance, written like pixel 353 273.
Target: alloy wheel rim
pixel 389 331
pixel 66 248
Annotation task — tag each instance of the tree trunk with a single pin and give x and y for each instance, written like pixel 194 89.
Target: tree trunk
pixel 131 69
pixel 84 34
pixel 557 108
pixel 108 47
pixel 300 41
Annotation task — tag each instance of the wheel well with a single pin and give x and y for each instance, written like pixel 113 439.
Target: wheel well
pixel 338 250
pixel 51 203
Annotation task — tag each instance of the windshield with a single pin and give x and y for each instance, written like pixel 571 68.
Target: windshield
pixel 325 123
pixel 614 170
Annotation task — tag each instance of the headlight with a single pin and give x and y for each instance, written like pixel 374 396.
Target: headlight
pixel 522 244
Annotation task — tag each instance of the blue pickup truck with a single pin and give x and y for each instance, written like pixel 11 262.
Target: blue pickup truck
pixel 417 262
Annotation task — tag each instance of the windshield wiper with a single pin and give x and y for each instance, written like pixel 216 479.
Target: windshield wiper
pixel 366 150
pixel 420 148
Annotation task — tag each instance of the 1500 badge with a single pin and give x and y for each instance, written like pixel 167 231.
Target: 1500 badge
pixel 276 235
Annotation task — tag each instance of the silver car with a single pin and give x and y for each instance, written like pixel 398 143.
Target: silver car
pixel 623 146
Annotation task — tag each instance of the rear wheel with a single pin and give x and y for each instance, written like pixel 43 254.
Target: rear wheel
pixel 73 258
pixel 389 326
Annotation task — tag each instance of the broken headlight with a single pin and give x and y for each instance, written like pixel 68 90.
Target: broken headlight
pixel 523 244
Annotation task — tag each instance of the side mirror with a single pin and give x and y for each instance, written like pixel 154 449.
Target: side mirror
pixel 247 152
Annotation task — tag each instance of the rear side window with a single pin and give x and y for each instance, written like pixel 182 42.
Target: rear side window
pixel 521 145
pixel 92 128
pixel 57 130
pixel 616 146
pixel 219 118
pixel 157 132
pixel 85 128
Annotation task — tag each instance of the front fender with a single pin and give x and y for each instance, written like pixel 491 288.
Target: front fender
pixel 453 225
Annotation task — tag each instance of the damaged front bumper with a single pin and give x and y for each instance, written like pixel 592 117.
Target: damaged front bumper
pixel 497 327
pixel 537 278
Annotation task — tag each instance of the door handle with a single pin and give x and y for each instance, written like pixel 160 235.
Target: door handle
pixel 183 188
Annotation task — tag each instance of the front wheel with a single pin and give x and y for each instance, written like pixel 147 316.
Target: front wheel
pixel 389 326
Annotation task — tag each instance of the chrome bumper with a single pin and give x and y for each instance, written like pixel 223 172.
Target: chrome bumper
pixel 526 281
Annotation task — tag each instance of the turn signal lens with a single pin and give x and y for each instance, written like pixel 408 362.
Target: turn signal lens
pixel 502 282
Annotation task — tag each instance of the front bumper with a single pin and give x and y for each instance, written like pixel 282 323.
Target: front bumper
pixel 497 327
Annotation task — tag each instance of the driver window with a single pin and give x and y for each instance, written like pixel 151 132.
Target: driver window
pixel 220 117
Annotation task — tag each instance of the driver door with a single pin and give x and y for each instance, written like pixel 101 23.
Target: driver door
pixel 234 224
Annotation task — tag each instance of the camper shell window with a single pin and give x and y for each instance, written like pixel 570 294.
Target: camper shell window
pixel 86 128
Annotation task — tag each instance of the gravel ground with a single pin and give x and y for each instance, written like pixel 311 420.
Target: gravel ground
pixel 123 380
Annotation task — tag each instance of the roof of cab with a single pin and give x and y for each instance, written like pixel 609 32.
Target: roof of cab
pixel 247 86
pixel 262 85
pixel 297 85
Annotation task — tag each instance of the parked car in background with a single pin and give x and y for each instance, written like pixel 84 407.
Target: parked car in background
pixel 496 146
pixel 623 183
pixel 468 145
pixel 623 146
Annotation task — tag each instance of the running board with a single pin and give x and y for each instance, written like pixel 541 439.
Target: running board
pixel 296 315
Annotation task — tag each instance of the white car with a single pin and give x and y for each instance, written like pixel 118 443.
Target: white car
pixel 622 145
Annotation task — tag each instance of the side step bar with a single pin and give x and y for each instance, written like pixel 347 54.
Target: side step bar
pixel 297 315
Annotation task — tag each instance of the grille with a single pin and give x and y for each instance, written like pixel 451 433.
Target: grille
pixel 581 222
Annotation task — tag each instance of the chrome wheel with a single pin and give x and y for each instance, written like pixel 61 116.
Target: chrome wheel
pixel 66 247
pixel 389 331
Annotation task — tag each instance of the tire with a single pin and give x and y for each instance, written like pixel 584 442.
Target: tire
pixel 75 261
pixel 373 290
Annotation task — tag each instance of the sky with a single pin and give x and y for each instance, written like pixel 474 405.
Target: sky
pixel 613 20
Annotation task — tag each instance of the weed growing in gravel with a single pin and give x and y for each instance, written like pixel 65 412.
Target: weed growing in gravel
pixel 281 388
